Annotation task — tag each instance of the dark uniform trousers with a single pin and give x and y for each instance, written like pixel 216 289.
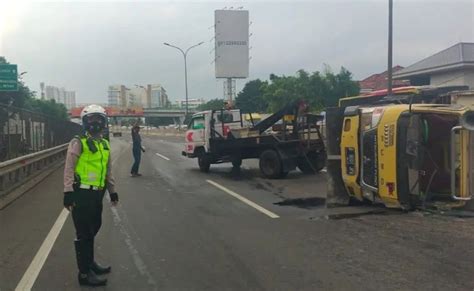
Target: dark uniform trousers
pixel 87 217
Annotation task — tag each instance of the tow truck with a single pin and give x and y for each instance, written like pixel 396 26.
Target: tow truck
pixel 285 140
pixel 407 150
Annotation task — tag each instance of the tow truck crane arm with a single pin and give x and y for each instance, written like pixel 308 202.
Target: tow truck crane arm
pixel 291 108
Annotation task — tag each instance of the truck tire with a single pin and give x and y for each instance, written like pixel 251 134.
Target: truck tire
pixel 271 165
pixel 312 163
pixel 204 162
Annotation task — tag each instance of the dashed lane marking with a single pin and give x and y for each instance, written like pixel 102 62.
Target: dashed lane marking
pixel 243 199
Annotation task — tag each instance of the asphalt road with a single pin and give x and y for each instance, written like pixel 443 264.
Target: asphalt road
pixel 179 229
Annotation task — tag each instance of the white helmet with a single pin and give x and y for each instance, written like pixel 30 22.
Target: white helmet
pixel 93 109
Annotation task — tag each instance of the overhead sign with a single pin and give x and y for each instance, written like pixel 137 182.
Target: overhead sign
pixel 232 43
pixel 8 77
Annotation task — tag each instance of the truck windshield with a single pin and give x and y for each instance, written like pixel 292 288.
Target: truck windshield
pixel 425 151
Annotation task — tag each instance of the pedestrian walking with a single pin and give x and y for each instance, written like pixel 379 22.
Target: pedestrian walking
pixel 87 175
pixel 137 150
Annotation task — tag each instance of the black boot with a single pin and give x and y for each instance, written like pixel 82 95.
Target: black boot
pixel 86 276
pixel 91 279
pixel 98 269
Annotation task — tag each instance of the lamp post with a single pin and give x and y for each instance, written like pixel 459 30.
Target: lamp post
pixel 185 53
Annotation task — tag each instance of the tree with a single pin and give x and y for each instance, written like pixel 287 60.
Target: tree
pixel 214 104
pixel 320 90
pixel 251 99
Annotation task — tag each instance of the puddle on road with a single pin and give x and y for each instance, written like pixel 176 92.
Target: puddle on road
pixel 306 203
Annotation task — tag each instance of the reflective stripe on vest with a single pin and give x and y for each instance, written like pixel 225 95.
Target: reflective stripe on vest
pixel 92 167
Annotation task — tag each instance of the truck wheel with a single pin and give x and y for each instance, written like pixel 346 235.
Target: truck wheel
pixel 204 162
pixel 312 163
pixel 271 164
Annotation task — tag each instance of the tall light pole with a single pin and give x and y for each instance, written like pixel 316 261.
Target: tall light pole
pixel 390 46
pixel 185 53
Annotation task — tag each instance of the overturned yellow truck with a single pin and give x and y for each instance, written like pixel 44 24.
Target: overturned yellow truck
pixel 411 149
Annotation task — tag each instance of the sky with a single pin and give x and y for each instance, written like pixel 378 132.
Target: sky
pixel 86 46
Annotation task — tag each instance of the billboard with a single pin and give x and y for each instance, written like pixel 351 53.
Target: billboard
pixel 232 43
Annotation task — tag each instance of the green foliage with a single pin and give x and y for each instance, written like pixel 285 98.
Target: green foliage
pixel 214 104
pixel 25 98
pixel 320 90
pixel 250 99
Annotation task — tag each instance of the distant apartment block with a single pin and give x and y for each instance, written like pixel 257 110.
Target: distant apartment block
pixel 149 96
pixel 61 95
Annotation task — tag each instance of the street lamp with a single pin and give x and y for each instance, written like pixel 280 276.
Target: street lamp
pixel 20 76
pixel 185 53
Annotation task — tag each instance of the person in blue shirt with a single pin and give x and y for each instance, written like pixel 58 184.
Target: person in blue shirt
pixel 137 150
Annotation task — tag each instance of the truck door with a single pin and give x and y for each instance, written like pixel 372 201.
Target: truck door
pixel 196 134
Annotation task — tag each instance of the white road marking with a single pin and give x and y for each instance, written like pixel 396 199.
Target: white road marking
pixel 243 199
pixel 163 157
pixel 29 278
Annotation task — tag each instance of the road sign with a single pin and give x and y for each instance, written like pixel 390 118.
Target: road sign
pixel 8 77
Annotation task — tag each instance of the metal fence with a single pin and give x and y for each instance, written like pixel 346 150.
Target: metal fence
pixel 24 132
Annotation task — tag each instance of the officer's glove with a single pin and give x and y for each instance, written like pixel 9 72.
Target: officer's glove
pixel 114 198
pixel 69 200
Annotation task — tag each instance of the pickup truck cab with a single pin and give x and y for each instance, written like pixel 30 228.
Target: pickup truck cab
pixel 200 130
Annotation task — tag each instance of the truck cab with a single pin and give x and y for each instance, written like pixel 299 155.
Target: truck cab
pixel 207 124
pixel 408 155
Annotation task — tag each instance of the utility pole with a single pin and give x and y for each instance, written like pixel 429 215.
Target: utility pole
pixel 390 47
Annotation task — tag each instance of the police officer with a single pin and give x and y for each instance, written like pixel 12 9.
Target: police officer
pixel 87 175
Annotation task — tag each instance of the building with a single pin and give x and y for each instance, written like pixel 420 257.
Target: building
pixel 157 96
pixel 192 103
pixel 379 81
pixel 117 95
pixel 149 96
pixel 52 93
pixel 61 95
pixel 70 99
pixel 450 67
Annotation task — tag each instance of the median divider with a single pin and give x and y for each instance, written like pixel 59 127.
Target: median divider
pixel 19 175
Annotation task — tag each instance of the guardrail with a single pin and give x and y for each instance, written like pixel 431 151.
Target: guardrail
pixel 17 171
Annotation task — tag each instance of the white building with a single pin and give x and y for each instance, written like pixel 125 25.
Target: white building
pixel 149 96
pixel 70 99
pixel 118 95
pixel 450 67
pixel 61 95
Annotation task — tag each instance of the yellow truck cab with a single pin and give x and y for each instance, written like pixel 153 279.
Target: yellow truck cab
pixel 407 155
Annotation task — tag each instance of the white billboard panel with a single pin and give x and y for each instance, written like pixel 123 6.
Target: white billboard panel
pixel 232 43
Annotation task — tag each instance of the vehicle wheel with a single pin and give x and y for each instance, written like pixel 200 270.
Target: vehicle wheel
pixel 312 163
pixel 271 164
pixel 204 162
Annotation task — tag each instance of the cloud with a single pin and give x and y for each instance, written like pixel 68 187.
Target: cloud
pixel 86 46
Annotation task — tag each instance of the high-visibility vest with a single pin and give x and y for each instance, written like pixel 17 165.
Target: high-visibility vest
pixel 91 166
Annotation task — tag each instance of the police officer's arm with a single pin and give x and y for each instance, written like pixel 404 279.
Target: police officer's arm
pixel 111 182
pixel 73 153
